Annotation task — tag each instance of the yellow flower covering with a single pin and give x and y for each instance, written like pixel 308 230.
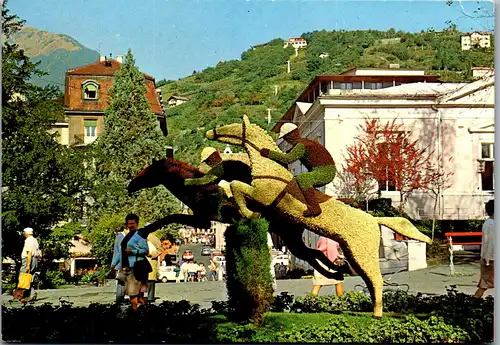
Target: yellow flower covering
pixel 357 232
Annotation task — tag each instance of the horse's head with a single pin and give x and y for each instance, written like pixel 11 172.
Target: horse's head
pixel 242 134
pixel 149 177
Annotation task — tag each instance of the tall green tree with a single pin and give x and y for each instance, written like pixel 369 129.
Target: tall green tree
pixel 42 181
pixel 130 140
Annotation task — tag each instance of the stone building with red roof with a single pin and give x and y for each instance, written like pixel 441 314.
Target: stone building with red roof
pixel 86 97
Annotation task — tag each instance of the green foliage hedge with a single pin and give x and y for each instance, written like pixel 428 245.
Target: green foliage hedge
pixel 347 330
pixel 454 317
pixel 249 281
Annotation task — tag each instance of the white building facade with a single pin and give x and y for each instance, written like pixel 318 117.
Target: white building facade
pixel 476 39
pixel 296 42
pixel 456 121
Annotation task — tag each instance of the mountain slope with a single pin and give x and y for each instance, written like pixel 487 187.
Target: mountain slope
pixel 56 53
pixel 222 94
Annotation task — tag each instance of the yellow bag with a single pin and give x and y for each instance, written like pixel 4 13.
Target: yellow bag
pixel 24 281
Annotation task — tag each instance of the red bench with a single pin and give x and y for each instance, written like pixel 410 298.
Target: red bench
pixel 462 238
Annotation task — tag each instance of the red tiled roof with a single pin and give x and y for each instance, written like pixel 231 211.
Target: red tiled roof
pixel 100 68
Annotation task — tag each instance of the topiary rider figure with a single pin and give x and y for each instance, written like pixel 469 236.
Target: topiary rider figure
pixel 212 158
pixel 314 156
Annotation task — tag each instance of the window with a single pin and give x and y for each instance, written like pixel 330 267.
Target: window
pixel 90 131
pixel 487 151
pixel 487 166
pixel 346 86
pixel 90 90
pixel 376 86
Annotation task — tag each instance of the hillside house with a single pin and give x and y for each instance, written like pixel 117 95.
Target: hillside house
pixel 482 72
pixel 296 42
pixel 85 99
pixel 476 39
pixel 174 101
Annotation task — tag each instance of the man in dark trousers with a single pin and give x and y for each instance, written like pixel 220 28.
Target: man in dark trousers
pixel 116 264
pixel 314 156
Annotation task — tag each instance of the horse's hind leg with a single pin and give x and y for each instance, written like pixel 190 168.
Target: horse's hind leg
pixel 240 190
pixel 368 267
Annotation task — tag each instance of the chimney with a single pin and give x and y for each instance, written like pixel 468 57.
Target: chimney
pixel 107 61
pixel 102 58
pixel 119 58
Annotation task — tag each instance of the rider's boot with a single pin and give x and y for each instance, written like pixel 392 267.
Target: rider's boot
pixel 313 208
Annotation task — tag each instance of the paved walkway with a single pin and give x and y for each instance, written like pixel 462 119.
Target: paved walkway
pixel 432 280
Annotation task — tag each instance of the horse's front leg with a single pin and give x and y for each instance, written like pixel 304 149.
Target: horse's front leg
pixel 241 190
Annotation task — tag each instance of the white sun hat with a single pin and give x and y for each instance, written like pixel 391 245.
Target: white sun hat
pixel 287 128
pixel 28 231
pixel 207 152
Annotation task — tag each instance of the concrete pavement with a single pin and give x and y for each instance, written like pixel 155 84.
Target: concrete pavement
pixel 432 280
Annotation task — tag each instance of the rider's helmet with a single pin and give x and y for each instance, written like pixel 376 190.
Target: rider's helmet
pixel 287 128
pixel 207 152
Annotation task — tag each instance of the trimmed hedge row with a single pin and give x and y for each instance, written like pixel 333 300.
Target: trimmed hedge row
pixel 473 315
pixel 454 317
pixel 388 330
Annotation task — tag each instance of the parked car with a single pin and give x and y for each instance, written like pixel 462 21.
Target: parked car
pixel 215 253
pixel 187 255
pixel 220 259
pixel 205 251
pixel 166 273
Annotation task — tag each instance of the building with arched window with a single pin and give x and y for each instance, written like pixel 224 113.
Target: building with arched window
pixel 86 97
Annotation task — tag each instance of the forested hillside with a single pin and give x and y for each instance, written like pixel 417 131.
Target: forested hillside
pixel 222 94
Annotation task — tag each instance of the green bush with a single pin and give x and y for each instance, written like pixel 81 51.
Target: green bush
pixel 102 236
pixel 453 317
pixel 473 315
pixel 438 249
pixel 249 281
pixel 9 282
pixel 349 301
pixel 52 279
pixel 350 330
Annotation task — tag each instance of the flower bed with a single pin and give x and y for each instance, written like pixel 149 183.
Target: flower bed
pixel 454 317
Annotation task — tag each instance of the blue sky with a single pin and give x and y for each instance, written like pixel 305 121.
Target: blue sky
pixel 171 38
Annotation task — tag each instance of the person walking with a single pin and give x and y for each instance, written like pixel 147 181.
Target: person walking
pixel 487 269
pixel 116 264
pixel 212 271
pixel 177 271
pixel 202 273
pixel 30 259
pixel 273 273
pixel 282 270
pixel 220 271
pixel 332 250
pixel 136 249
pixel 154 252
pixel 184 270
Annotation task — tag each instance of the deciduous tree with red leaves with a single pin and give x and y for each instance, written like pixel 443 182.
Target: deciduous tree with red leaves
pixel 388 154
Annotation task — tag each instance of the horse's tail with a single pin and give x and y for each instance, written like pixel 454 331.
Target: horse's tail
pixel 404 227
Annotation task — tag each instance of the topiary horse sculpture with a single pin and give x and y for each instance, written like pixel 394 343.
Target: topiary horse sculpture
pixel 208 205
pixel 274 186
